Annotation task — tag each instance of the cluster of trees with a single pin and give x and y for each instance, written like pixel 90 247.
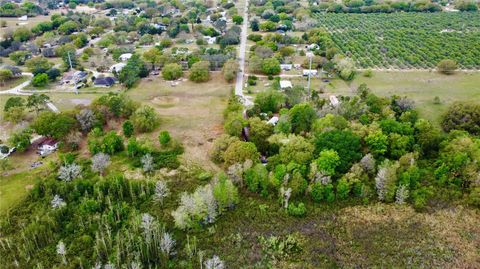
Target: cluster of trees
pixel 367 147
pixel 267 55
pixel 16 108
pixel 360 6
pixel 11 9
pixel 409 40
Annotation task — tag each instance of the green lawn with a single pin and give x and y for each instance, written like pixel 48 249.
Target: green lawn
pixel 421 87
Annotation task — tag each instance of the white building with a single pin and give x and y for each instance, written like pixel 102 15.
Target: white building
pixel 210 39
pixel 285 84
pixel 47 146
pixel 23 18
pixel 117 67
pixel 312 47
pixel 333 100
pixel 311 72
pixel 125 57
pixel 286 67
pixel 273 121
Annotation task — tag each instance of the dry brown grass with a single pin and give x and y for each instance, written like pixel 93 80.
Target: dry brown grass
pixel 383 234
pixel 191 112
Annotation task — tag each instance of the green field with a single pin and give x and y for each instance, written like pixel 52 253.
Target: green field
pixel 406 40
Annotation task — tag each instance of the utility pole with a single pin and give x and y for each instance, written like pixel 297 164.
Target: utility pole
pixel 69 60
pixel 71 68
pixel 309 75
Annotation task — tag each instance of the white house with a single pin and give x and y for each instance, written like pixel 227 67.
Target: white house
pixel 125 57
pixel 312 47
pixel 333 100
pixel 286 67
pixel 23 18
pixel 311 72
pixel 47 146
pixel 285 84
pixel 210 39
pixel 273 121
pixel 117 67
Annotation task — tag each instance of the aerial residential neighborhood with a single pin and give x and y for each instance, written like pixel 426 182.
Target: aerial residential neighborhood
pixel 239 134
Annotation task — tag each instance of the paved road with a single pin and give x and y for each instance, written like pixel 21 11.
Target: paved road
pixel 241 57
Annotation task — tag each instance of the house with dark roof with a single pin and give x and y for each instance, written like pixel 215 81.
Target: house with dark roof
pixel 104 82
pixel 15 70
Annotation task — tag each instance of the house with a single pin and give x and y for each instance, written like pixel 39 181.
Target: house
pixel 16 72
pixel 312 47
pixel 104 82
pixel 117 67
pixel 273 121
pixel 333 100
pixel 286 67
pixel 23 18
pixel 74 77
pixel 125 57
pixel 210 39
pixel 311 72
pixel 48 52
pixel 285 84
pixel 46 146
pixel 159 26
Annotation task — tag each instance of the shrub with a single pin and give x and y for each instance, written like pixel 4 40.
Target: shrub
pixel 447 66
pixel 462 116
pixel 199 72
pixel 297 210
pixel 172 71
pixel 127 128
pixel 145 119
pixel 321 192
pixel 239 152
pixel 40 80
pixel 164 138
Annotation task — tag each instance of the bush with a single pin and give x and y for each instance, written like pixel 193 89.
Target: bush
pixel 127 128
pixel 40 80
pixel 172 71
pixel 145 119
pixel 297 210
pixel 164 138
pixel 200 72
pixel 447 67
pixel 462 116
pixel 321 192
pixel 239 152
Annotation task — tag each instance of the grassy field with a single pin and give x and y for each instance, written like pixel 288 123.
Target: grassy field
pixel 190 111
pixel 13 83
pixel 14 23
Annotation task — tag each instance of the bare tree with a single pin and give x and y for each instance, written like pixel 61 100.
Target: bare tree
pixel 86 118
pixel 214 263
pixel 68 172
pixel 147 162
pixel 100 161
pixel 161 191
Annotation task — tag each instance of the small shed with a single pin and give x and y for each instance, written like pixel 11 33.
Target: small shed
pixel 333 100
pixel 125 57
pixel 285 84
pixel 286 67
pixel 311 72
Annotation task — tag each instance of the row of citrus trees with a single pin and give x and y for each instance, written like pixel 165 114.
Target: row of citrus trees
pixel 407 40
